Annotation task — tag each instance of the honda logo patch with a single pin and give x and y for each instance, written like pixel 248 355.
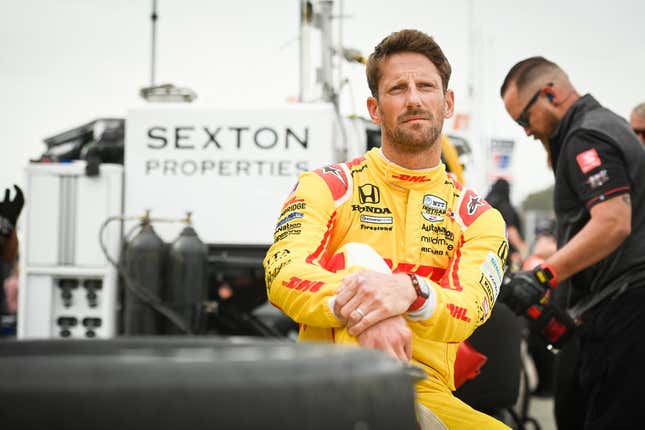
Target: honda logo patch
pixel 369 193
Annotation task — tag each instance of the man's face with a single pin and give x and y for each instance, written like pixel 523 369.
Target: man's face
pixel 533 109
pixel 411 105
pixel 637 123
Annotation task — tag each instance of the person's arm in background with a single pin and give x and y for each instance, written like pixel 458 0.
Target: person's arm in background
pixel 9 247
pixel 515 239
pixel 11 291
pixel 608 227
pixel 545 246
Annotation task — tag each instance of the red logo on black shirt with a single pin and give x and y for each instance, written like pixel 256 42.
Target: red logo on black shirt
pixel 588 160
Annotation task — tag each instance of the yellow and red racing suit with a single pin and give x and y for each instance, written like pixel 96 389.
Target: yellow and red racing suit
pixel 419 221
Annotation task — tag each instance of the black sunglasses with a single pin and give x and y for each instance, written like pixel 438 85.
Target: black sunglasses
pixel 523 118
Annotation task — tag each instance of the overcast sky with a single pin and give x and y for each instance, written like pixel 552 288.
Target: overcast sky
pixel 66 62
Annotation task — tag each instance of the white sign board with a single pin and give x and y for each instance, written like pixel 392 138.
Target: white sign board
pixel 501 158
pixel 232 168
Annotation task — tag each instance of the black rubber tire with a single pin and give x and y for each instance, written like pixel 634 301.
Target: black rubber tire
pixel 194 383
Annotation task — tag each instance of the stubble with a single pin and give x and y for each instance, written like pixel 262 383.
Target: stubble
pixel 414 137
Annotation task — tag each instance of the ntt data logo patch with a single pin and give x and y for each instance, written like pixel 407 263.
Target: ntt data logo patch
pixel 434 208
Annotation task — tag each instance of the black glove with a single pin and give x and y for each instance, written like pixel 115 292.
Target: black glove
pixel 521 290
pixel 10 210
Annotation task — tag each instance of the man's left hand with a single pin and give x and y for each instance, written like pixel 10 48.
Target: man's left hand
pixel 366 298
pixel 391 336
pixel 525 288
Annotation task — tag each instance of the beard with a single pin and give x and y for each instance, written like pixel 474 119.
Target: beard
pixel 550 124
pixel 417 136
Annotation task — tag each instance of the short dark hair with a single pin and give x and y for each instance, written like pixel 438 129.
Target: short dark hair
pixel 526 71
pixel 406 41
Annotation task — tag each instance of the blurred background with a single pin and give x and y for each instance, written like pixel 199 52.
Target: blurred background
pixel 65 62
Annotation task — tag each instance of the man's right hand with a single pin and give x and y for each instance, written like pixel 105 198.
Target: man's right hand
pixel 391 336
pixel 10 210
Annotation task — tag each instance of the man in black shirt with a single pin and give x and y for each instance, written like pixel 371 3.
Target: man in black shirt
pixel 599 200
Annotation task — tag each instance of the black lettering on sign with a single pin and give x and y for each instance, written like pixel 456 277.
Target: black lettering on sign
pixel 179 136
pixel 188 168
pixel 243 166
pixel 212 137
pixel 238 132
pixel 207 165
pixel 151 165
pixel 157 133
pixel 170 167
pixel 301 166
pixel 265 138
pixel 304 142
pixel 225 168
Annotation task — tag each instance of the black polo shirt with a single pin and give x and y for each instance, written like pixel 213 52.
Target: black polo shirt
pixel 596 157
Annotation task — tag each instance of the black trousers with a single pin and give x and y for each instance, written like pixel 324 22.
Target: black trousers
pixel 600 379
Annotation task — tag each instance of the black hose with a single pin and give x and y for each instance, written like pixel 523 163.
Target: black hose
pixel 142 294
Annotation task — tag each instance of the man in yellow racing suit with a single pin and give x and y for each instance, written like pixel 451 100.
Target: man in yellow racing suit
pixel 444 245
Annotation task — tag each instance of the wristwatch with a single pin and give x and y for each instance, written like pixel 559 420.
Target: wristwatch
pixel 546 275
pixel 422 289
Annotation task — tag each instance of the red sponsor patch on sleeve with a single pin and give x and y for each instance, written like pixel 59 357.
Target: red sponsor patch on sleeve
pixel 335 178
pixel 472 206
pixel 588 160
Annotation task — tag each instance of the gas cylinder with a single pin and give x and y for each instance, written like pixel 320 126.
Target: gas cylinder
pixel 144 263
pixel 186 279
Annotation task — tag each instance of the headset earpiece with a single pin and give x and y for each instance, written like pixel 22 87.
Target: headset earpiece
pixel 550 97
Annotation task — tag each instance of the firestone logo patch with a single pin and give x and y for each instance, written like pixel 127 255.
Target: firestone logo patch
pixel 434 208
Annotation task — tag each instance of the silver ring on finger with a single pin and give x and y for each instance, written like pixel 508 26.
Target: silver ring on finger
pixel 360 312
